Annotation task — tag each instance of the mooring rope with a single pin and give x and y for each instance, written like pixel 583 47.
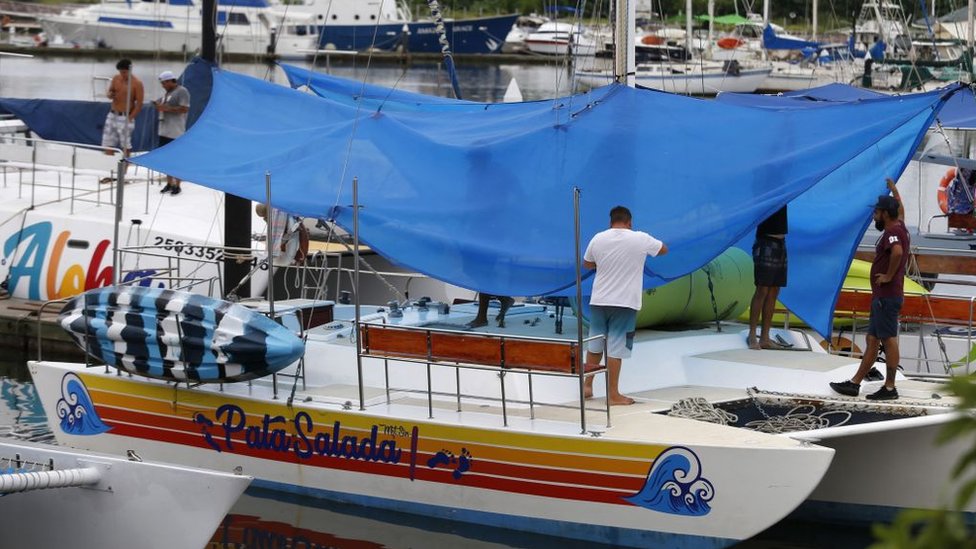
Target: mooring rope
pixel 800 418
pixel 700 409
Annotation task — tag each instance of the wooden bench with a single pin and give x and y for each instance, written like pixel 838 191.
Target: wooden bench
pixel 478 350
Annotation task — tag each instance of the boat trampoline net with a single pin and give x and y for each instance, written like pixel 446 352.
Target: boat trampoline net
pixel 769 413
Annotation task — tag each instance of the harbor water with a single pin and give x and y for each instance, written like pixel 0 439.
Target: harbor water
pixel 268 520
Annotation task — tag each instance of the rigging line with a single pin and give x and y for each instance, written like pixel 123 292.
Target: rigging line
pixel 318 43
pixel 359 108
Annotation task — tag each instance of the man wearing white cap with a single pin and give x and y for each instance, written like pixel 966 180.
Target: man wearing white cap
pixel 172 107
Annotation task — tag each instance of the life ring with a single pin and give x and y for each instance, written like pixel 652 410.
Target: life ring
pixel 38 39
pixel 651 40
pixel 729 43
pixel 943 192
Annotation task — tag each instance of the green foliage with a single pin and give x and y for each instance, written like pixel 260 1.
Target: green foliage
pixel 942 528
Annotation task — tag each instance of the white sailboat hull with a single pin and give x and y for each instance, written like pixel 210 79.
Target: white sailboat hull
pixel 687 80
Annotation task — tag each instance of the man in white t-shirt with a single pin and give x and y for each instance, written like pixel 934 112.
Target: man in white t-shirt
pixel 618 255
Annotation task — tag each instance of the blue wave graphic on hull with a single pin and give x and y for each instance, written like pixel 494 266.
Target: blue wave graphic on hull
pixel 675 485
pixel 76 410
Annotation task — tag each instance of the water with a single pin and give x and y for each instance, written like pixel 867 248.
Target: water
pixel 262 519
pixel 54 78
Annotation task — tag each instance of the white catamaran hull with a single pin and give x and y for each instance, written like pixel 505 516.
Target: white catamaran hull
pixel 125 503
pixel 536 475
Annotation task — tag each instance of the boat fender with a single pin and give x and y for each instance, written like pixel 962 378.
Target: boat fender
pixel 729 43
pixel 943 192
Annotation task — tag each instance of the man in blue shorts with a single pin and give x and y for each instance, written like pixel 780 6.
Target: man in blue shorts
pixel 887 296
pixel 618 255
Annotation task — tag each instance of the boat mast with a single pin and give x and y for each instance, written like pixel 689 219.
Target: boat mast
pixel 237 210
pixel 624 55
pixel 815 8
pixel 969 32
pixel 688 26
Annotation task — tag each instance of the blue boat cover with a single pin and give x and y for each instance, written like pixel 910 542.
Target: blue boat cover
pixel 367 95
pixel 773 42
pixel 481 195
pixel 78 121
pixel 82 122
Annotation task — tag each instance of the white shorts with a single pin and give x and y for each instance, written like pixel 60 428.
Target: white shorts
pixel 118 131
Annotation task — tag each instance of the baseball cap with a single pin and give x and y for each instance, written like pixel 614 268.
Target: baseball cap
pixel 887 203
pixel 166 75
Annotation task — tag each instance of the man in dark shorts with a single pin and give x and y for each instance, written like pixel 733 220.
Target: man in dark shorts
pixel 172 108
pixel 887 295
pixel 769 272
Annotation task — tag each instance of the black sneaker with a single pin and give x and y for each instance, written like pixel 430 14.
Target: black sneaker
pixel 847 388
pixel 175 191
pixel 166 189
pixel 874 375
pixel 883 393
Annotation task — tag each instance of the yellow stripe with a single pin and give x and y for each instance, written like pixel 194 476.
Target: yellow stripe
pixel 572 453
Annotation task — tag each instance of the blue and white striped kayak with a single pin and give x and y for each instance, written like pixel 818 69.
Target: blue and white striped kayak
pixel 178 336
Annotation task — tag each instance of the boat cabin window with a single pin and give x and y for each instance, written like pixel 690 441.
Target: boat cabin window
pixel 232 18
pixel 749 31
pixel 297 30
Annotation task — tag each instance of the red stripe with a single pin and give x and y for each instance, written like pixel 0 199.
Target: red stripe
pixel 522 479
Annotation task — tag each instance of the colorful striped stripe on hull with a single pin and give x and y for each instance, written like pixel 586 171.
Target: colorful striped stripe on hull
pixel 564 468
pixel 630 492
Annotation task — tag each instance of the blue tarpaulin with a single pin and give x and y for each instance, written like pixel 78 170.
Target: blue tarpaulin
pixel 959 111
pixel 481 195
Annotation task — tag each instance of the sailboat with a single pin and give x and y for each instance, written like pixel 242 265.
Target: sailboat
pixel 404 406
pixel 683 76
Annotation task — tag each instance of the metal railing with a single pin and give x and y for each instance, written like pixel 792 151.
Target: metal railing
pixel 465 360
pixel 31 156
pixel 929 328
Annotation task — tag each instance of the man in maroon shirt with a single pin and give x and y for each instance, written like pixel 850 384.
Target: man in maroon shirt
pixel 887 295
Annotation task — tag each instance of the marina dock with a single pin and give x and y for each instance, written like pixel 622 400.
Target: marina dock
pixel 25 323
pixel 323 57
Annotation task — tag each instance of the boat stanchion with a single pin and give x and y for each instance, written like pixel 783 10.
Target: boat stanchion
pixel 579 359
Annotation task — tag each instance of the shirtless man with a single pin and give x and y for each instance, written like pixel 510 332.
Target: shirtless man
pixel 126 93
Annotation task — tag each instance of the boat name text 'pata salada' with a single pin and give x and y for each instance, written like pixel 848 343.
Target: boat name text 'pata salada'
pixel 306 442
